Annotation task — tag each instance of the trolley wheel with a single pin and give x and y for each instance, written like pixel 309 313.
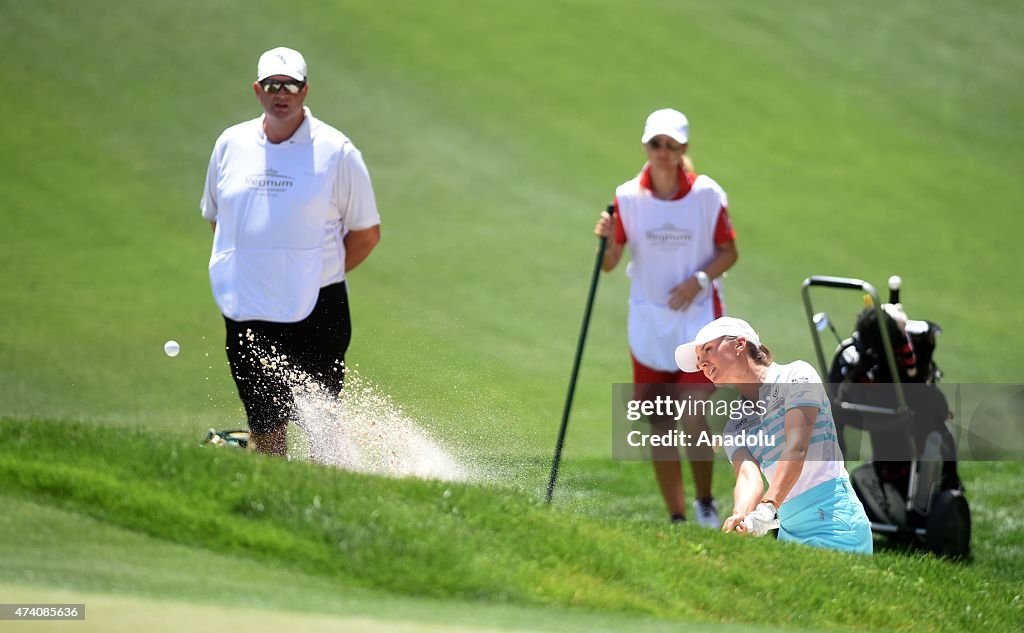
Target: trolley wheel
pixel 949 525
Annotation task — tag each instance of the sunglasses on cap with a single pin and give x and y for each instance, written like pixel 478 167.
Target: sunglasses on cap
pixel 292 86
pixel 655 144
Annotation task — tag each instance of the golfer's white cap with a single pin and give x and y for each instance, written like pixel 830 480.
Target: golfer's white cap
pixel 686 354
pixel 281 61
pixel 671 123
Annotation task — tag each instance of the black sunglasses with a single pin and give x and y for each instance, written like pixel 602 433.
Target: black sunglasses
pixel 655 144
pixel 292 86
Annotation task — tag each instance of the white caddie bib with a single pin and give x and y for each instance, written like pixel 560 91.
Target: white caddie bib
pixel 279 220
pixel 669 240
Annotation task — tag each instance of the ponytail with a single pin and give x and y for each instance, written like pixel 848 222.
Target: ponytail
pixel 760 355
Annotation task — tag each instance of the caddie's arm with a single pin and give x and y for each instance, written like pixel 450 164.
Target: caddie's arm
pixel 726 255
pixel 799 424
pixel 612 251
pixel 358 245
pixel 686 291
pixel 748 491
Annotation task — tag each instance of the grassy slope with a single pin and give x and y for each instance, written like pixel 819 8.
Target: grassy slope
pixel 461 542
pixel 493 143
pixel 126 577
pixel 494 135
pixel 117 614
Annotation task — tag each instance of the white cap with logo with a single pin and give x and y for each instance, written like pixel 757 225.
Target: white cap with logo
pixel 686 354
pixel 281 61
pixel 671 123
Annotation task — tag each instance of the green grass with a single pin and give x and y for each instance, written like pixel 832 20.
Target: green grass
pixel 493 142
pixel 474 543
pixel 116 614
pixel 858 140
pixel 126 576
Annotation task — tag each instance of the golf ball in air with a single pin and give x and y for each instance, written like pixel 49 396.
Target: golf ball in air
pixel 171 348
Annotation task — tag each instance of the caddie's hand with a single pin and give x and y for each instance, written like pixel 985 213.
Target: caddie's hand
pixel 734 523
pixel 684 294
pixel 605 226
pixel 762 519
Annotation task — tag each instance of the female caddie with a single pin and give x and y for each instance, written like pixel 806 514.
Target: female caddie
pixel 681 242
pixel 809 489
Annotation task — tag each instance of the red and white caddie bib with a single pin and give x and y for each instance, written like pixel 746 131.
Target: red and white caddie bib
pixel 669 241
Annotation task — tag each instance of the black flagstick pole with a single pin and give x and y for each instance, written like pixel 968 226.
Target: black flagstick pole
pixel 576 363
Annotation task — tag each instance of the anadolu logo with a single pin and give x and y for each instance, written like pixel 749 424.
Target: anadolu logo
pixel 669 234
pixel 269 180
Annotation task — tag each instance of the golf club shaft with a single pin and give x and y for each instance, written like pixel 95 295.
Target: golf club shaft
pixel 835 333
pixel 576 362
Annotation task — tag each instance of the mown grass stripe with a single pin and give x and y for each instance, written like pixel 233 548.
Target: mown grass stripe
pixel 471 542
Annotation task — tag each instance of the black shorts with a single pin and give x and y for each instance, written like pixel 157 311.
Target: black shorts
pixel 314 347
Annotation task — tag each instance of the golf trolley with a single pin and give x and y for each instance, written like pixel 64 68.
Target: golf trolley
pixel 882 380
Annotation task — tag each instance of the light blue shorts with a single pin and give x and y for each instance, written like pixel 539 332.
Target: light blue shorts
pixel 828 515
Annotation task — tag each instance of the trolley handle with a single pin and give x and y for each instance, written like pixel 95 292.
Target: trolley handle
pixel 842 282
pixel 869 409
pixel 849 283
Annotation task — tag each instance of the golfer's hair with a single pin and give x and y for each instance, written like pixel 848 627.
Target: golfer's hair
pixel 760 354
pixel 688 164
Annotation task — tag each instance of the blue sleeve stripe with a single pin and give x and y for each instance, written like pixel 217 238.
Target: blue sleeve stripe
pixel 824 426
pixel 801 403
pixel 773 454
pixel 776 428
pixel 780 416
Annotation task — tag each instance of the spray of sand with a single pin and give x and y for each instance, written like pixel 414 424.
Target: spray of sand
pixel 362 429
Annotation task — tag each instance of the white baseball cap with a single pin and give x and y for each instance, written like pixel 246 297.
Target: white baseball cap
pixel 281 61
pixel 671 123
pixel 686 354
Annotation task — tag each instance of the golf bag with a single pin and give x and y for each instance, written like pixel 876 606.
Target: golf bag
pixel 859 370
pixel 910 489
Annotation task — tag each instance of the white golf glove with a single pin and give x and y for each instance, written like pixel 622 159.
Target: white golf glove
pixel 762 519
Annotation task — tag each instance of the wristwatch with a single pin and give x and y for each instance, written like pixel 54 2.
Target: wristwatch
pixel 702 279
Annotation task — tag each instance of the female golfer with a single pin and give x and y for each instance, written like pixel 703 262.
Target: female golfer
pixel 786 432
pixel 681 242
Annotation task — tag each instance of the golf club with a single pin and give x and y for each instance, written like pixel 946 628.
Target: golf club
pixel 894 289
pixel 576 362
pixel 821 321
